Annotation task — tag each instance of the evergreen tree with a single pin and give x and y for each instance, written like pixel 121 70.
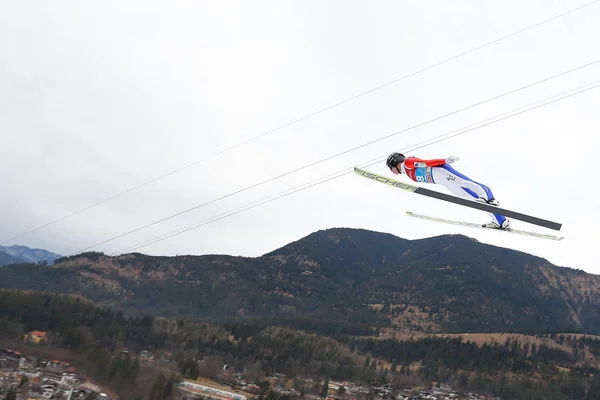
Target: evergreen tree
pixel 158 389
pixel 325 388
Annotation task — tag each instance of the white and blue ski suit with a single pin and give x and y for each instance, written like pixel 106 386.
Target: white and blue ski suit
pixel 439 172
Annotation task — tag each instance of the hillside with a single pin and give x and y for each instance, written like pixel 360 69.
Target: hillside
pixel 128 354
pixel 24 254
pixel 341 279
pixel 6 259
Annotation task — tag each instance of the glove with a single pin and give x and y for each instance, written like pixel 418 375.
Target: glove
pixel 451 159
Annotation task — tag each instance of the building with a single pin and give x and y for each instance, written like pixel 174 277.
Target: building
pixel 10 354
pixel 27 363
pixel 57 364
pixel 36 337
pixel 207 391
pixel 9 359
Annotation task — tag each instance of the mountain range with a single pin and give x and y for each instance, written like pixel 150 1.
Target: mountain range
pixel 340 277
pixel 23 254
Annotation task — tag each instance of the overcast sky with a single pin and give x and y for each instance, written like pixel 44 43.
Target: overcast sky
pixel 99 97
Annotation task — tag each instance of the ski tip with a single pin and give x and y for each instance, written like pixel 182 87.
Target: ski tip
pixel 359 171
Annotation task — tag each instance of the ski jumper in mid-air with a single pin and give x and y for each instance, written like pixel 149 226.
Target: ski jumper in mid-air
pixel 440 172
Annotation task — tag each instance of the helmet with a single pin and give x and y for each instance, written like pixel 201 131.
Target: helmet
pixel 394 159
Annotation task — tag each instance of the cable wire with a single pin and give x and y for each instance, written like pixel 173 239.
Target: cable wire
pixel 338 174
pixel 437 64
pixel 336 155
pixel 330 177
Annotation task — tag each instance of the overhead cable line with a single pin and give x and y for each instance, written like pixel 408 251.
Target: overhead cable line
pixel 335 155
pixel 437 64
pixel 345 171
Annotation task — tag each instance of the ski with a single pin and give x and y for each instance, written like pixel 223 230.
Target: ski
pixel 457 200
pixel 472 225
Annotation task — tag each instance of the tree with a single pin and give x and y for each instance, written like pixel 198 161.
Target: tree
pixel 189 368
pixel 91 396
pixel 24 385
pixel 463 380
pixel 158 389
pixel 23 382
pixel 271 395
pixel 325 388
pixel 264 386
pixel 170 385
pixel 12 394
pixel 254 372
